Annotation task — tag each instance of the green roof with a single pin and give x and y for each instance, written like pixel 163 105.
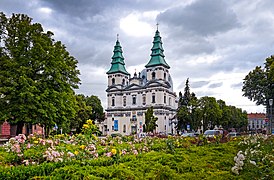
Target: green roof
pixel 117 63
pixel 157 53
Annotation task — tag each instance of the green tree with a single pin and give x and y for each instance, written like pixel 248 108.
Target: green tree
pixel 87 108
pixel 196 113
pixel 225 117
pixel 150 120
pixel 183 112
pixel 37 75
pixel 97 109
pixel 84 112
pixel 259 83
pixel 211 112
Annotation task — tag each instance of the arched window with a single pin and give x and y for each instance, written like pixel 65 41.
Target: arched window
pixel 164 99
pixel 153 98
pixel 113 101
pixel 124 128
pixel 144 99
pixel 123 82
pixel 164 76
pixel 124 100
pixel 153 75
pixel 134 100
pixel 113 81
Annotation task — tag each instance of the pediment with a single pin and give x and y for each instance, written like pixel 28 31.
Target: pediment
pixel 133 86
pixel 157 83
pixel 112 88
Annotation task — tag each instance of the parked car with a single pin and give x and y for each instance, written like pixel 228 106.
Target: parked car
pixel 212 133
pixel 189 134
pixel 233 134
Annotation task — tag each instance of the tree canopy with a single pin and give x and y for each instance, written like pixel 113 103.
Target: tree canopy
pixel 87 108
pixel 150 120
pixel 259 83
pixel 37 75
pixel 207 112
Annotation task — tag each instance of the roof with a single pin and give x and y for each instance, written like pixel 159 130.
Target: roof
pixel 256 115
pixel 157 53
pixel 117 63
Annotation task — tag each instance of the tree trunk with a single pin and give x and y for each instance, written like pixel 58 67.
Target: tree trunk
pixel 19 127
pixel 46 131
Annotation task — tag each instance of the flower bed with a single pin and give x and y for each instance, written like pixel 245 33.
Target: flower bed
pixel 86 156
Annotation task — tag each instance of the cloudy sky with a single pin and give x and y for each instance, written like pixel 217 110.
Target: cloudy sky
pixel 214 43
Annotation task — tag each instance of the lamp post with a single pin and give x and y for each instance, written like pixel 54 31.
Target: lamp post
pixel 270 104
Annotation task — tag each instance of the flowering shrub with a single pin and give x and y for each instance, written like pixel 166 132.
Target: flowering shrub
pixel 89 129
pixel 256 156
pixel 86 156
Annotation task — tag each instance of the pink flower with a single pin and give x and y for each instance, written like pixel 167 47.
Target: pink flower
pixel 96 155
pixel 26 162
pixel 28 145
pixel 135 152
pixel 109 154
pixel 124 152
pixel 43 142
pixel 70 154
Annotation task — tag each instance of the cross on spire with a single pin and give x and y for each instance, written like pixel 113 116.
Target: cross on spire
pixel 157 25
pixel 117 37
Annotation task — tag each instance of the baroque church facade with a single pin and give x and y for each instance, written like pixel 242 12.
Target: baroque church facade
pixel 128 98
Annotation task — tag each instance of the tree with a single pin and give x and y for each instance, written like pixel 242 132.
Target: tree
pixel 196 113
pixel 184 108
pixel 150 120
pixel 87 108
pixel 210 112
pixel 84 112
pixel 259 83
pixel 97 109
pixel 37 75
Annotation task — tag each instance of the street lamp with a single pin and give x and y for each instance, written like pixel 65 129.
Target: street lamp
pixel 270 104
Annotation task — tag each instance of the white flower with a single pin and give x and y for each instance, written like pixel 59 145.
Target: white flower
pixel 234 169
pixel 253 162
pixel 240 163
pixel 235 158
pixel 241 157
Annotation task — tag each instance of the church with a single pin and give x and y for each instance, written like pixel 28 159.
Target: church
pixel 128 98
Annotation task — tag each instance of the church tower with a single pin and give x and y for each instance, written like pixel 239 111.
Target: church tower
pixel 118 77
pixel 130 97
pixel 157 68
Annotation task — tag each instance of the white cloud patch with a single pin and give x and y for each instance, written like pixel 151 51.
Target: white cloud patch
pixel 135 24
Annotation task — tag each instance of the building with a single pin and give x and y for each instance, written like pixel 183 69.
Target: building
pixel 257 122
pixel 128 97
pixel 7 130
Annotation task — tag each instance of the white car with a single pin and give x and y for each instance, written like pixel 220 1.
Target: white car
pixel 234 134
pixel 212 133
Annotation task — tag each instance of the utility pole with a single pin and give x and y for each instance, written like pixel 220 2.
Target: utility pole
pixel 270 104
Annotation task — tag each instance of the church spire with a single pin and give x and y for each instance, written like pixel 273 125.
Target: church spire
pixel 117 63
pixel 157 52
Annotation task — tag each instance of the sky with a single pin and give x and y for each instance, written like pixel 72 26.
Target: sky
pixel 214 43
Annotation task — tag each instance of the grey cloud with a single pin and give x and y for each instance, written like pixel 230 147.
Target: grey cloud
pixel 189 44
pixel 238 85
pixel 198 84
pixel 201 17
pixel 215 85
